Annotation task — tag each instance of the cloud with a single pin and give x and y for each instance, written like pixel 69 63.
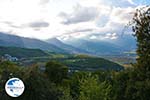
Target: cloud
pixel 101 19
pixel 117 20
pixel 76 33
pixel 42 2
pixel 111 36
pixel 107 26
pixel 122 15
pixel 11 24
pixel 77 18
pixel 79 15
pixel 103 37
pixel 93 37
pixel 40 24
pixel 79 30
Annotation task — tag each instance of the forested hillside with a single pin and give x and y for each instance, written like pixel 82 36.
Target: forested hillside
pixel 21 52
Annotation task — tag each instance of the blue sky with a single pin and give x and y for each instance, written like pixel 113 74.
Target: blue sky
pixel 43 19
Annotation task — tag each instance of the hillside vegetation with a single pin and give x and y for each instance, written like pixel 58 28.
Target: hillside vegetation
pixel 21 52
pixel 80 62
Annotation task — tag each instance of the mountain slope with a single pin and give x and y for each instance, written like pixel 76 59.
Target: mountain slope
pixel 16 41
pixel 66 47
pixel 21 52
pixel 10 40
pixel 34 43
pixel 97 47
pixel 105 47
pixel 91 63
pixel 126 41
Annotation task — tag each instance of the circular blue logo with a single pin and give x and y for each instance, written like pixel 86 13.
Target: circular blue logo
pixel 14 87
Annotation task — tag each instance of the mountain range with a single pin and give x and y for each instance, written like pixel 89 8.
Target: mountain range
pixel 72 46
pixel 125 43
pixel 69 48
pixel 16 41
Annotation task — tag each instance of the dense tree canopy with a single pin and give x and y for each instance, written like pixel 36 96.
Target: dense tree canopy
pixel 141 28
pixel 56 71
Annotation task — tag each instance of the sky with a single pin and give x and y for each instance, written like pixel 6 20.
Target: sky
pixel 43 19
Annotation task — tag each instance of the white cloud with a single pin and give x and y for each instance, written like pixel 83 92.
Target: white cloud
pixel 82 18
pixel 106 37
pixel 122 15
pixel 43 2
pixel 108 20
pixel 80 14
pixel 93 37
pixel 38 24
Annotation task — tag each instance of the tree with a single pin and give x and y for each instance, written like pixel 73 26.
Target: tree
pixel 141 27
pixel 92 89
pixel 38 87
pixel 7 70
pixel 138 87
pixel 56 71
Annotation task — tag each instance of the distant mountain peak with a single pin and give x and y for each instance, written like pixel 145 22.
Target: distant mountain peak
pixel 54 41
pixel 66 47
pixel 17 41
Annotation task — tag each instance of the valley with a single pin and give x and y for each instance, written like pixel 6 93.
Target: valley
pixel 85 56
